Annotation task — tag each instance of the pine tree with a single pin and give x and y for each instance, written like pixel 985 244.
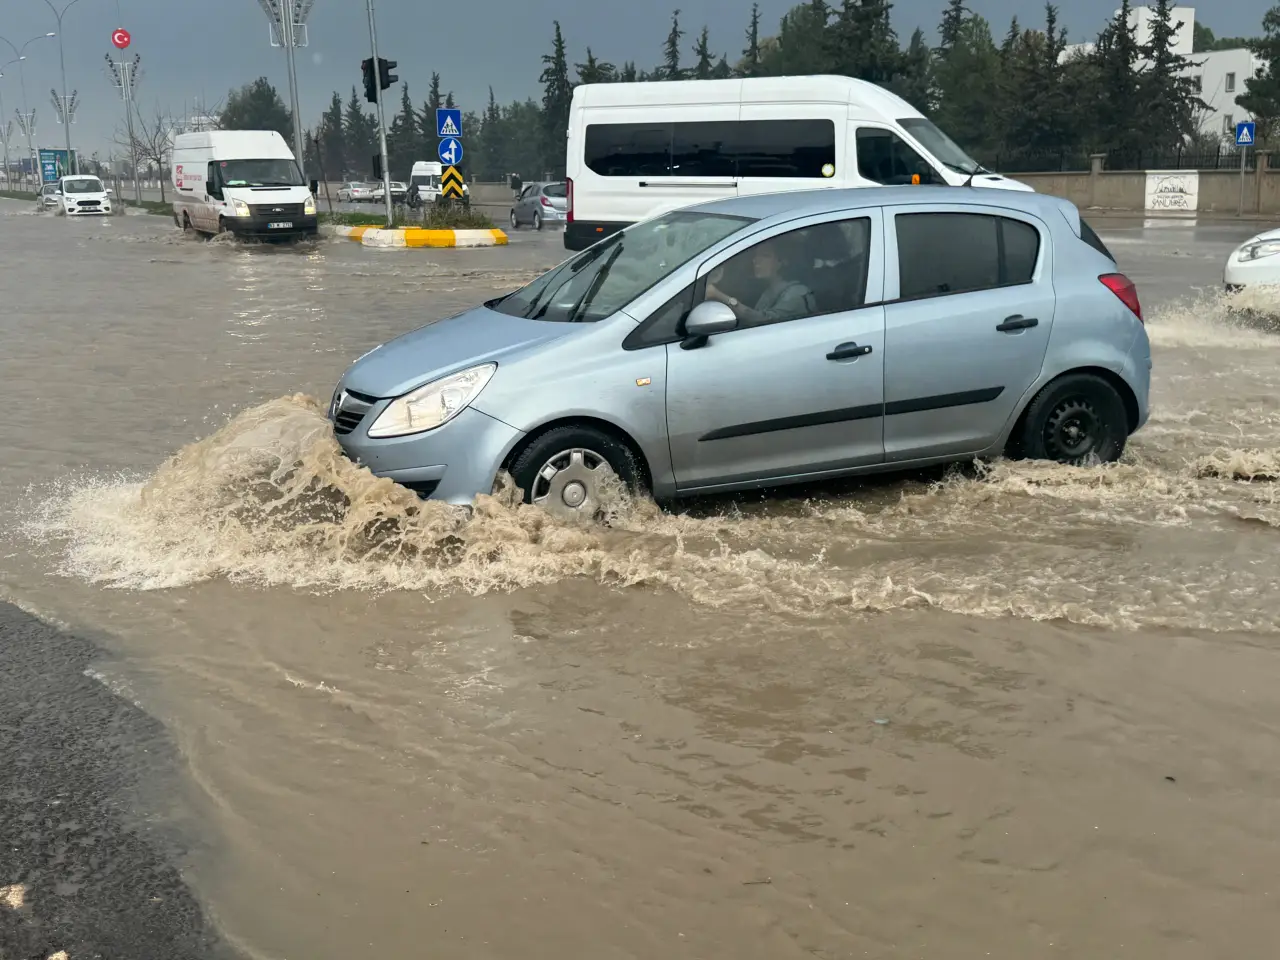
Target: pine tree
pixel 404 142
pixel 704 60
pixel 722 69
pixel 427 118
pixel 914 82
pixel 359 132
pixel 1261 97
pixel 1114 76
pixel 967 77
pixel 333 152
pixel 671 50
pixel 595 71
pixel 557 96
pixel 802 46
pixel 953 19
pixel 749 65
pixel 449 101
pixel 1169 100
pixel 861 42
pixel 628 73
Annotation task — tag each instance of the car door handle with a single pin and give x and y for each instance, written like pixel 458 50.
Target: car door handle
pixel 1017 322
pixel 848 351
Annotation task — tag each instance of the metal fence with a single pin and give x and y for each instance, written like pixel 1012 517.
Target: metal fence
pixel 1221 157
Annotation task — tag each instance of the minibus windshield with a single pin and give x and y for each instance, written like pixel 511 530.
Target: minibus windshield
pixel 941 146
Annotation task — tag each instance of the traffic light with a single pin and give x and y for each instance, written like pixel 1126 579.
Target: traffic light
pixel 385 77
pixel 377 166
pixel 370 91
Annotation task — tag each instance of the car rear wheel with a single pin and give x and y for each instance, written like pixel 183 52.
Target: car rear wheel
pixel 571 471
pixel 1077 419
pixel 537 220
pixel 515 223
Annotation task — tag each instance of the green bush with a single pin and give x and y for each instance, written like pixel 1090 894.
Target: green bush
pixel 438 216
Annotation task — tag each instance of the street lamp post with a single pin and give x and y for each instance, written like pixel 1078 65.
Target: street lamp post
pixel 4 126
pixel 28 115
pixel 62 63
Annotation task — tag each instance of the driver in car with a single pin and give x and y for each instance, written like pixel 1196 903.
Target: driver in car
pixel 781 298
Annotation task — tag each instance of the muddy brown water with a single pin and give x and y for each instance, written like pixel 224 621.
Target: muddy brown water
pixel 1018 710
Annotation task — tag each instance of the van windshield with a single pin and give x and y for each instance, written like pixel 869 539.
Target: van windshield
pixel 425 181
pixel 260 173
pixel 941 146
pixel 602 280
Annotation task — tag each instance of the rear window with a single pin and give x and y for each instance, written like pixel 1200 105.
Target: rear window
pixel 1088 235
pixel 554 190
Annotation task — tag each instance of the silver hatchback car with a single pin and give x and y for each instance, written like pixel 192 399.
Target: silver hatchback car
pixel 767 340
pixel 540 204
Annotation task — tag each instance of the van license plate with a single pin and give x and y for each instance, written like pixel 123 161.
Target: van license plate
pixel 279 226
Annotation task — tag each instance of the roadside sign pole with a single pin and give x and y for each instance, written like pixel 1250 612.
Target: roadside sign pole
pixel 382 126
pixel 1246 137
pixel 287 26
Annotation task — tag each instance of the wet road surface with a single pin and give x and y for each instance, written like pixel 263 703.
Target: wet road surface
pixel 1020 710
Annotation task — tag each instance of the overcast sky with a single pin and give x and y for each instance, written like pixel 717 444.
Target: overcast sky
pixel 212 46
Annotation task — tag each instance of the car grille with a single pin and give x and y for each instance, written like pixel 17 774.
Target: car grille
pixel 348 409
pixel 89 203
pixel 276 209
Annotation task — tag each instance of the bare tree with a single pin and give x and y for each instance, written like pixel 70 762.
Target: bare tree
pixel 152 142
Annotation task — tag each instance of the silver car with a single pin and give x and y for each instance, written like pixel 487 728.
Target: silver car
pixel 539 204
pixel 767 340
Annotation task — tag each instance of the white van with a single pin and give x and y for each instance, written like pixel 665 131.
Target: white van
pixel 245 181
pixel 425 175
pixel 636 150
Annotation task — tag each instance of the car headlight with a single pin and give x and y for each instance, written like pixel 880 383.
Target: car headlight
pixel 1256 251
pixel 309 208
pixel 239 208
pixel 432 405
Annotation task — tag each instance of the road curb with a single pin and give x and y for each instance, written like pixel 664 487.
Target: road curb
pixel 417 237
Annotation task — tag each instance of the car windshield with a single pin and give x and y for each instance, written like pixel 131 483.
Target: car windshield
pixel 554 190
pixel 941 146
pixel 260 173
pixel 605 278
pixel 82 185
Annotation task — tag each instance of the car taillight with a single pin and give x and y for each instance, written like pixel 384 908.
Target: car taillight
pixel 568 193
pixel 1123 288
pixel 546 202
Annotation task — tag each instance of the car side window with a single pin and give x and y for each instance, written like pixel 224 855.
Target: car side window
pixel 885 158
pixel 813 271
pixel 946 253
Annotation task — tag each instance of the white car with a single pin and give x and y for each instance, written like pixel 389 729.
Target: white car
pixel 1255 263
pixel 76 196
pixel 355 192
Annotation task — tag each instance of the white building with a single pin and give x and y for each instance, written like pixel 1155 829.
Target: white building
pixel 1219 74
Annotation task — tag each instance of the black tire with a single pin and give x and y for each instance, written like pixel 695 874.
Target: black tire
pixel 1075 420
pixel 537 220
pixel 515 223
pixel 556 441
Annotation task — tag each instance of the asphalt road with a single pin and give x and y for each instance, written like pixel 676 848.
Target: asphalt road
pixel 86 868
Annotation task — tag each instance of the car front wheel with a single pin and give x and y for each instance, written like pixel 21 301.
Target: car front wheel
pixel 1077 419
pixel 573 472
pixel 515 223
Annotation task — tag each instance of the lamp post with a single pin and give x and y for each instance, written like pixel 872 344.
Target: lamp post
pixel 28 116
pixel 62 63
pixel 5 125
pixel 290 18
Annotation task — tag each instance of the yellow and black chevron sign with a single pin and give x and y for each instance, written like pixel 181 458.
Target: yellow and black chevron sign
pixel 451 183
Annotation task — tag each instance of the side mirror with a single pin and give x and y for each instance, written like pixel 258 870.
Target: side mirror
pixel 707 318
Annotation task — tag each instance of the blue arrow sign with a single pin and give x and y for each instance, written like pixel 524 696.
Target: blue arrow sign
pixel 450 151
pixel 1246 133
pixel 448 122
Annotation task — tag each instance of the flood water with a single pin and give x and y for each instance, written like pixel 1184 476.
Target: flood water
pixel 1018 710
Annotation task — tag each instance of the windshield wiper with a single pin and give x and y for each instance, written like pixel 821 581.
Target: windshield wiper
pixel 597 282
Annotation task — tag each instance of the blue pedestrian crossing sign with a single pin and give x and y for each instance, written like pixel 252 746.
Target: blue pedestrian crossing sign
pixel 448 122
pixel 1246 133
pixel 450 151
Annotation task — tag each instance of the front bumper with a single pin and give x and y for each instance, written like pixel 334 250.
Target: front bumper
pixel 1265 271
pixel 261 226
pixel 100 211
pixel 454 463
